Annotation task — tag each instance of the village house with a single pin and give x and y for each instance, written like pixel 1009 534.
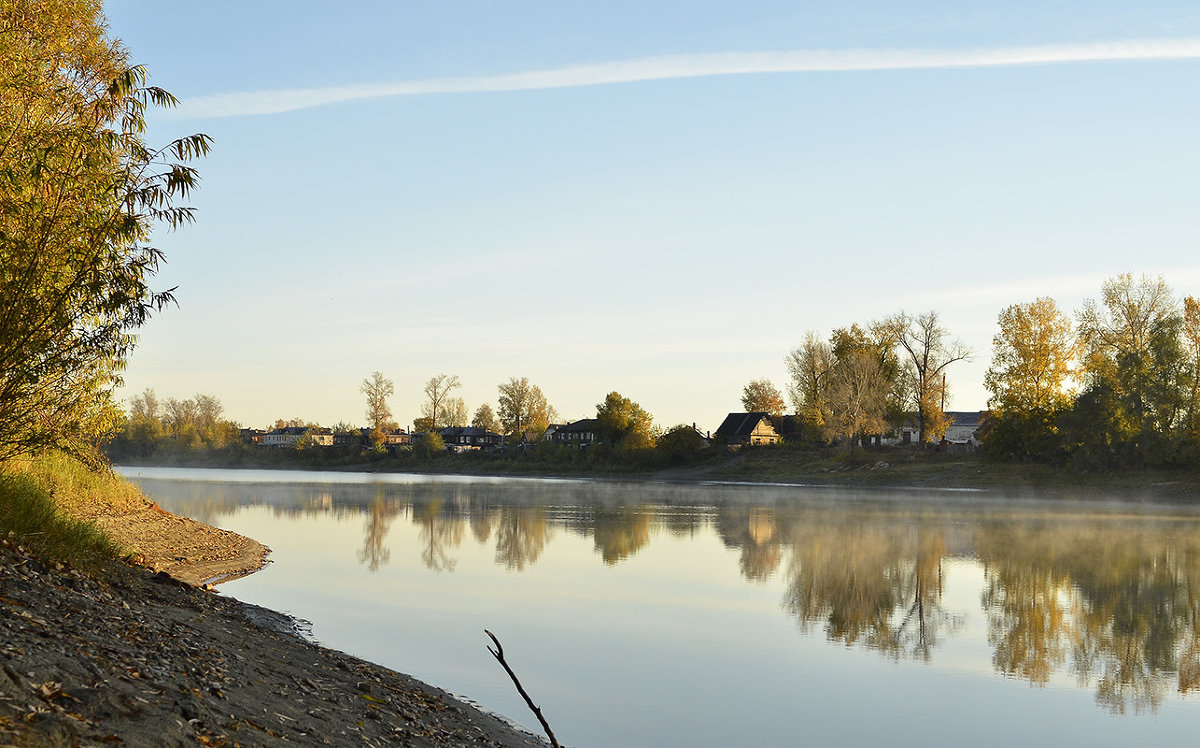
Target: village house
pixel 960 434
pixel 963 431
pixel 746 428
pixel 579 434
pixel 458 438
pixel 290 436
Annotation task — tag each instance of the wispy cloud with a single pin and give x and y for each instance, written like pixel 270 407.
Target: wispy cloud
pixel 693 66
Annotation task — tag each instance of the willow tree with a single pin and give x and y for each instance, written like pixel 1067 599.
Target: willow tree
pixel 82 191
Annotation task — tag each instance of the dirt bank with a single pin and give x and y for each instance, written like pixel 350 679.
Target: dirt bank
pixel 137 657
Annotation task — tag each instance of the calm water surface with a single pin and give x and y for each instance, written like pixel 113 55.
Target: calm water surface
pixel 656 615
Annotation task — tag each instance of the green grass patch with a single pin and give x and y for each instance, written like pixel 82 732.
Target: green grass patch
pixel 43 500
pixel 28 516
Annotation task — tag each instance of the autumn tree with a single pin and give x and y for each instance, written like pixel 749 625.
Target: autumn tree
pixel 1135 373
pixel 808 367
pixel 437 396
pixel 623 423
pixel 377 390
pixel 454 412
pixel 761 396
pixel 523 408
pixel 174 426
pixel 863 388
pixel 1033 357
pixel 485 419
pixel 82 192
pixel 1191 342
pixel 928 351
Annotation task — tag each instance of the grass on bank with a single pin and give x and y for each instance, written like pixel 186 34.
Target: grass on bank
pixel 45 502
pixel 910 466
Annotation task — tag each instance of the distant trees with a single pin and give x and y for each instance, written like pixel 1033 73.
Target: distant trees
pixel 438 411
pixel 523 408
pixel 762 396
pixel 82 193
pixel 1135 358
pixel 680 442
pixel 1191 340
pixel 175 426
pixel 928 351
pixel 485 419
pixel 1134 372
pixel 865 380
pixel 455 412
pixel 623 423
pixel 808 387
pixel 862 382
pixel 1033 359
pixel 378 389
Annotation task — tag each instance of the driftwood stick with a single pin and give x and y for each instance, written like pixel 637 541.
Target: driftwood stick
pixel 498 653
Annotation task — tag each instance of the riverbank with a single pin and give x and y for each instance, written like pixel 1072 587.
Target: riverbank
pixel 136 655
pixel 889 467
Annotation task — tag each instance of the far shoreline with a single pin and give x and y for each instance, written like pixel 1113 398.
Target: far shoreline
pixel 895 468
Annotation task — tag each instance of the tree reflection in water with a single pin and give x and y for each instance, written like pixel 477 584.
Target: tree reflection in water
pixel 520 536
pixel 869 583
pixel 1111 600
pixel 441 532
pixel 1113 604
pixel 379 516
pixel 621 531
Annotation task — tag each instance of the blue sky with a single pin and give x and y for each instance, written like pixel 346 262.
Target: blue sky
pixel 654 198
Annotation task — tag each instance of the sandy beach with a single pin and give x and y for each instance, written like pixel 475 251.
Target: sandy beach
pixel 150 655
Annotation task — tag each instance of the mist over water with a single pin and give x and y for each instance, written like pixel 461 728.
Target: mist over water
pixel 658 614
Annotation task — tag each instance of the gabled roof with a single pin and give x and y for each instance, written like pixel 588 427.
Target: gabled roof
pixel 583 425
pixel 741 424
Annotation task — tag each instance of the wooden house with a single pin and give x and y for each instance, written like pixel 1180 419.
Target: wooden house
pixel 746 428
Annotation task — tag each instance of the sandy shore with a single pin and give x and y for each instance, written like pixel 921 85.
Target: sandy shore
pixel 145 657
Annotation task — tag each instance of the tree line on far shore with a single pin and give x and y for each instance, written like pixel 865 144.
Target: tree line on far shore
pixel 1118 388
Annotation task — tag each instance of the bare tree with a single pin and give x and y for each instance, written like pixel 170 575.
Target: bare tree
pixel 437 392
pixel 378 389
pixel 929 352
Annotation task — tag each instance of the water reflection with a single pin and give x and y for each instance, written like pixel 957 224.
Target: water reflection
pixel 870 580
pixel 1108 599
pixel 1115 603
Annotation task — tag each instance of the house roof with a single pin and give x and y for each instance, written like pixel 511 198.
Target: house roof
pixel 965 417
pixel 465 431
pixel 581 426
pixel 740 424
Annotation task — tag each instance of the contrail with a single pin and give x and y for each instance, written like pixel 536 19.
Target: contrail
pixel 693 66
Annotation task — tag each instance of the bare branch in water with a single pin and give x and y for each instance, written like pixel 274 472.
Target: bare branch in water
pixel 498 653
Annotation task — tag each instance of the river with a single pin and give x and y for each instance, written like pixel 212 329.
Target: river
pixel 643 614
